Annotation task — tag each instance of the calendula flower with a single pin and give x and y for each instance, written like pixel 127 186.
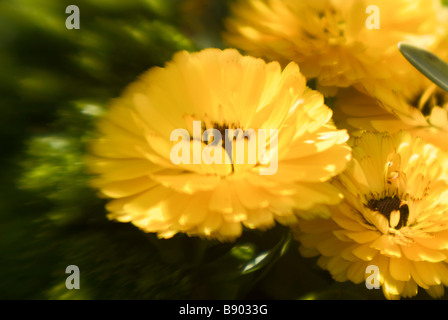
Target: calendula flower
pixel 339 42
pixel 418 106
pixel 214 142
pixel 394 216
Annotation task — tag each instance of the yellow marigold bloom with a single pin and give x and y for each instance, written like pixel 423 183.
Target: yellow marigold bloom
pixel 417 106
pixel 394 216
pixel 339 42
pixel 160 186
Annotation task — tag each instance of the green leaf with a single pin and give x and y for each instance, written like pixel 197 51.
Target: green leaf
pixel 231 270
pixel 267 257
pixel 427 63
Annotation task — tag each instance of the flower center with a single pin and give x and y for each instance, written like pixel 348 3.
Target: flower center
pixel 222 129
pixel 430 98
pixel 333 26
pixel 388 205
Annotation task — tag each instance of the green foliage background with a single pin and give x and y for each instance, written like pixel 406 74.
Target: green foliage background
pixel 54 84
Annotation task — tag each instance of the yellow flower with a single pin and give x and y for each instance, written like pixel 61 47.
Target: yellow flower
pixel 332 40
pixel 394 216
pixel 416 105
pixel 160 186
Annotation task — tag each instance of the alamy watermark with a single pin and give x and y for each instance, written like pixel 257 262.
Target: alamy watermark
pixel 72 281
pixel 72 21
pixel 212 153
pixel 373 20
pixel 373 280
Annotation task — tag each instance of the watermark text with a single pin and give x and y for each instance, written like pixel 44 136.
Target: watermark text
pixel 192 150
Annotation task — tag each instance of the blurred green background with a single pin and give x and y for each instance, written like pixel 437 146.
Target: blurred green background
pixel 54 84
